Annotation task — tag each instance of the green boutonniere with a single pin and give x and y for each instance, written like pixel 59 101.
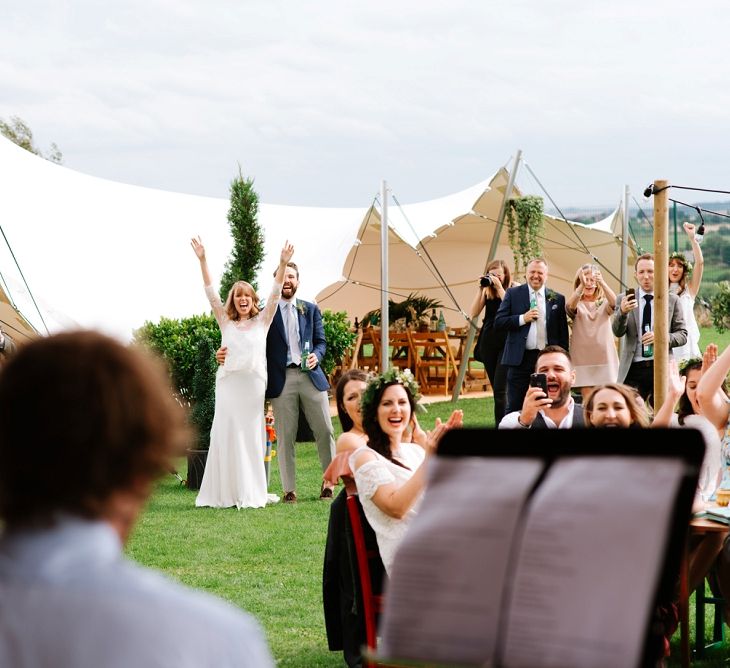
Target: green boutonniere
pixel 301 308
pixel 551 295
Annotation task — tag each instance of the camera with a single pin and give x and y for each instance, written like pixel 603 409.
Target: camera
pixel 485 281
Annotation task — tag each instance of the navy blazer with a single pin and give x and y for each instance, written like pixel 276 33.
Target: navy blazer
pixel 516 302
pixel 310 329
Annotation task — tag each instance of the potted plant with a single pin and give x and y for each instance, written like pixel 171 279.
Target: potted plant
pixel 183 344
pixel 414 308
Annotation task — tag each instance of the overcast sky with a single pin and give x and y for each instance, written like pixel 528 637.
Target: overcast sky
pixel 320 100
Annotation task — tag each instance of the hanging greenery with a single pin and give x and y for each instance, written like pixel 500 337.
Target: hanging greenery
pixel 525 225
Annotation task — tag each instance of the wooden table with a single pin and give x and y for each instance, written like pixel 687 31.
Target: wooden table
pixel 697 527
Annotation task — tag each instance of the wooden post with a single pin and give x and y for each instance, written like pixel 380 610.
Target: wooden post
pixel 661 291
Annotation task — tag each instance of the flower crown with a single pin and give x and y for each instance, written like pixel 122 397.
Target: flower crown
pixel 679 257
pixel 402 377
pixel 683 364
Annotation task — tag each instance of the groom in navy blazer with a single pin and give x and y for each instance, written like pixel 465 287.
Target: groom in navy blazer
pixel 289 387
pixel 533 317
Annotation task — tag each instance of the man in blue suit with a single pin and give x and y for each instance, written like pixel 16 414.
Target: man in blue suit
pixel 533 317
pixel 297 326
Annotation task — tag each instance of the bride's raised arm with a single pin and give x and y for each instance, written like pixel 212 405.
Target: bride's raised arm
pixel 213 298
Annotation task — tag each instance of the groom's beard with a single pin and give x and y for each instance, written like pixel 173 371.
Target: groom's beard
pixel 288 291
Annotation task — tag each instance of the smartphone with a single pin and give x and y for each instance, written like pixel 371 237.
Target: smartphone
pixel 630 293
pixel 539 380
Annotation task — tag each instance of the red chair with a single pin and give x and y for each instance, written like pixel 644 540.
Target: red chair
pixel 368 563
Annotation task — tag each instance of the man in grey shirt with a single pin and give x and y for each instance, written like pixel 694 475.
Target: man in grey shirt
pixel 86 426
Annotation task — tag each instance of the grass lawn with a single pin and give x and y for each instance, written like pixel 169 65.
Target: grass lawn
pixel 269 561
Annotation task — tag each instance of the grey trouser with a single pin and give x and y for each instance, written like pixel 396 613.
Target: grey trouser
pixel 299 388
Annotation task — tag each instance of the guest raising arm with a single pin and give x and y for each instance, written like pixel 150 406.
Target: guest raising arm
pixel 390 473
pixel 592 346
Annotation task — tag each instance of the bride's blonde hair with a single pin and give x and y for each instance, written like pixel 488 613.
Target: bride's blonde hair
pixel 236 289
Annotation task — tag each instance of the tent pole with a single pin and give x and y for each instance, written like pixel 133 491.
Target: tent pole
pixel 384 315
pixel 624 251
pixel 492 252
pixel 661 291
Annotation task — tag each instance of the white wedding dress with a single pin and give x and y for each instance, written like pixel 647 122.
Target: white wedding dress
pixel 234 471
pixel 691 349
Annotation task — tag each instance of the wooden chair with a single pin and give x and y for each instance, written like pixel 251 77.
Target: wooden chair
pixel 370 572
pixel 367 359
pixel 402 353
pixel 434 361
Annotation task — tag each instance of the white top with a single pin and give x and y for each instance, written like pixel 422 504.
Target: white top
pixel 389 531
pixel 711 471
pixel 69 599
pixel 692 347
pixel 245 353
pixel 511 420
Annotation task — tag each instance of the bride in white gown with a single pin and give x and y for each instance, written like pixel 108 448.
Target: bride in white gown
pixel 234 471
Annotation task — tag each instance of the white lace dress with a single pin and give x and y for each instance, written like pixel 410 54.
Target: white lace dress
pixel 234 471
pixel 692 347
pixel 389 531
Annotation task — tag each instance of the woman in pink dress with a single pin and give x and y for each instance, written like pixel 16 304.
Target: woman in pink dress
pixel 592 344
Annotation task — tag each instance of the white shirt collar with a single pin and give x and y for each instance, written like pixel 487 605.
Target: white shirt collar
pixel 567 421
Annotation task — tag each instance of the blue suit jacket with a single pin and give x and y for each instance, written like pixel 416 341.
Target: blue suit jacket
pixel 310 329
pixel 516 302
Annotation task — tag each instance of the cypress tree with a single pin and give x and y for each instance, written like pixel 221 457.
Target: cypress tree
pixel 248 237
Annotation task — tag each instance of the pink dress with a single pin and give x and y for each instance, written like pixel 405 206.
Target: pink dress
pixel 592 345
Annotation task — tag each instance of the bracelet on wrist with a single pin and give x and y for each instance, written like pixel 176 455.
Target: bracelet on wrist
pixel 522 424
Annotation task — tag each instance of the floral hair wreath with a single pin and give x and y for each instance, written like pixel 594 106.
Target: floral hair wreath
pixel 679 257
pixel 393 375
pixel 692 361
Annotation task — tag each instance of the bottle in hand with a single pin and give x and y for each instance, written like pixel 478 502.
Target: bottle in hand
pixel 305 354
pixel 647 349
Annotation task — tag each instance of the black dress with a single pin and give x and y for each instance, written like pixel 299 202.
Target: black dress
pixel 491 345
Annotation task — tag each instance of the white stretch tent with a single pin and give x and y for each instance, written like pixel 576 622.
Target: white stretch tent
pixel 110 256
pixel 454 249
pixel 106 255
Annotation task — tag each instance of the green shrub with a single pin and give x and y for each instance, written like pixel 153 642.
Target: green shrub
pixel 204 390
pixel 176 341
pixel 339 337
pixel 720 307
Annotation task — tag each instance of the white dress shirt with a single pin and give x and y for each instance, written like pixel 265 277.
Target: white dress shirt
pixel 69 599
pixel 531 342
pixel 512 420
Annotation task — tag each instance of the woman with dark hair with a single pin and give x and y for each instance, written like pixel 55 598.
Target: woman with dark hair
pixel 390 472
pixel 490 343
pixel 614 405
pixel 234 471
pixel 682 392
pixel 348 394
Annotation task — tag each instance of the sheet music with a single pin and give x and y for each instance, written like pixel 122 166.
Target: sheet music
pixel 445 600
pixel 587 567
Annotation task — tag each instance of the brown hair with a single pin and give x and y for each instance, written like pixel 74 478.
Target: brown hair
pixel 352 374
pixel 378 440
pixel 639 418
pixel 293 266
pixel 230 307
pixel 82 417
pixel 506 283
pixel 644 256
pixel 682 262
pixel 547 350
